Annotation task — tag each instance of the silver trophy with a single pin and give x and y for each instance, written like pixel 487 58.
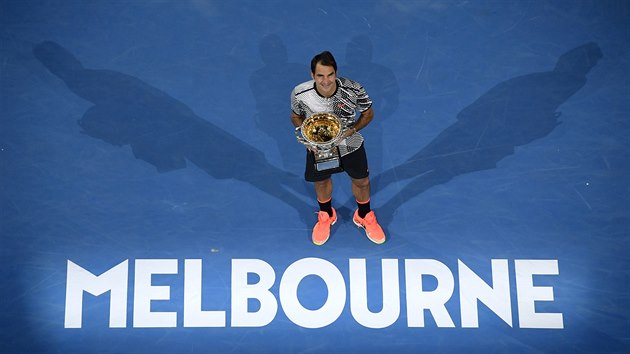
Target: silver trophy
pixel 321 133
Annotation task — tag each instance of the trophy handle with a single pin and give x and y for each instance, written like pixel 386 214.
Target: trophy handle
pixel 298 135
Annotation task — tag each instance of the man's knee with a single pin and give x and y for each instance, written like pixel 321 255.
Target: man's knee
pixel 361 182
pixel 323 183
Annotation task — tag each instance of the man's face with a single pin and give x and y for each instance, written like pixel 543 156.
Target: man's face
pixel 325 79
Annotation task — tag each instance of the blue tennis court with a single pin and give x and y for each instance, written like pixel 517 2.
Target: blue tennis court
pixel 153 199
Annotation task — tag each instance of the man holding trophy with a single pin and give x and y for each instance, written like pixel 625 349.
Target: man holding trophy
pixel 323 112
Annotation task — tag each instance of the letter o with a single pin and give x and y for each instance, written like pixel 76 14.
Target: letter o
pixel 335 302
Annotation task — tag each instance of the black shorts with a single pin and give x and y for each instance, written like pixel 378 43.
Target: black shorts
pixel 355 164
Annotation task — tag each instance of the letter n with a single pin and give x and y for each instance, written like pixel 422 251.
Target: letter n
pixel 79 280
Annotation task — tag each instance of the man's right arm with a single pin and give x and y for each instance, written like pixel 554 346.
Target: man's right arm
pixel 296 119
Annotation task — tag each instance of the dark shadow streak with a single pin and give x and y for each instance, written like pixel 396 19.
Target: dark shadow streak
pixel 382 86
pixel 271 86
pixel 162 130
pixel 513 113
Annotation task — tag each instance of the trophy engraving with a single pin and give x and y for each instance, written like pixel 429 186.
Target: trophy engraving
pixel 321 133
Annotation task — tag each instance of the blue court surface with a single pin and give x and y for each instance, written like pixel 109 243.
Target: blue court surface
pixel 153 200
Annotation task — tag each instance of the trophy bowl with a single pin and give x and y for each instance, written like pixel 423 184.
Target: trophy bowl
pixel 321 132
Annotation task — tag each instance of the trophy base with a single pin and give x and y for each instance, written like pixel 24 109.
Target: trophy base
pixel 328 162
pixel 324 165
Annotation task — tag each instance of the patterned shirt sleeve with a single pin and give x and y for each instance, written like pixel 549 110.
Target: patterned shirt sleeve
pixel 364 102
pixel 295 105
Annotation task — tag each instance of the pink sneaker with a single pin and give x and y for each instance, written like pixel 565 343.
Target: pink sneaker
pixel 372 229
pixel 321 231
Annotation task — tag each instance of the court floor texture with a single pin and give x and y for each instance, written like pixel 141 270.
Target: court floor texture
pixel 153 199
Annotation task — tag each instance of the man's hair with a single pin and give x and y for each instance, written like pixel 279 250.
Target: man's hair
pixel 324 58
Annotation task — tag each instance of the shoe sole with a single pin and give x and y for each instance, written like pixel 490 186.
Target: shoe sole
pixel 319 244
pixel 360 226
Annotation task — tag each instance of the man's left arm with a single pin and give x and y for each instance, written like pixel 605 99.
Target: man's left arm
pixel 364 119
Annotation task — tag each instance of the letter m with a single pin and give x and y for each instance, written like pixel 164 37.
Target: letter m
pixel 79 280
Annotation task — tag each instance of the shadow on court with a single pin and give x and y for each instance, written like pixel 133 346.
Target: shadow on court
pixel 163 131
pixel 515 112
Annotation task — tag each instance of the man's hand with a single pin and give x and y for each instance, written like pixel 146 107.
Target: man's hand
pixel 349 132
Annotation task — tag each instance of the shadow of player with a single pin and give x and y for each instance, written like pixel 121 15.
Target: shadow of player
pixel 513 113
pixel 381 84
pixel 162 130
pixel 271 86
